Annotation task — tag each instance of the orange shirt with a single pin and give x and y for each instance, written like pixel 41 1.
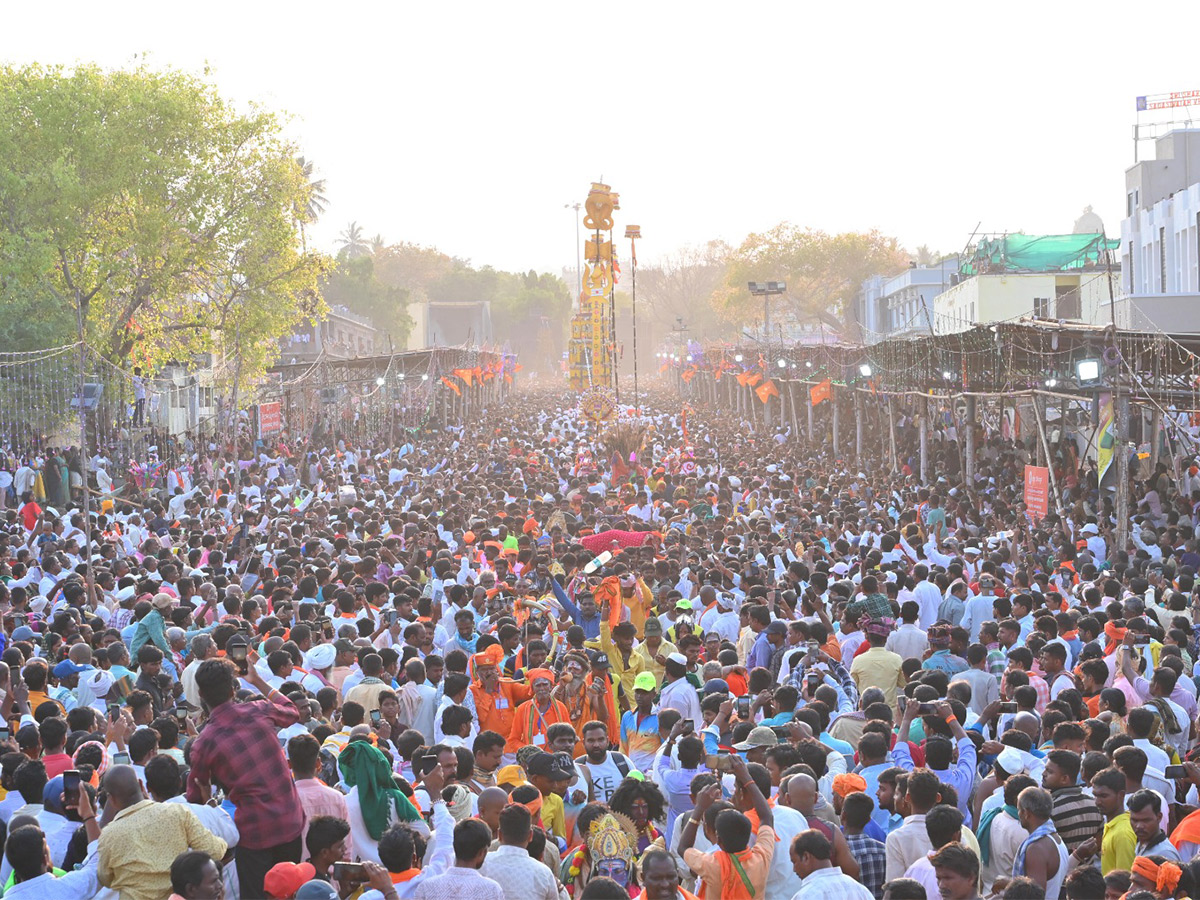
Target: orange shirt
pixel 496 711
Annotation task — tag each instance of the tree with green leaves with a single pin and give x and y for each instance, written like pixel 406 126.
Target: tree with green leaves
pixel 354 242
pixel 353 283
pixel 822 271
pixel 143 205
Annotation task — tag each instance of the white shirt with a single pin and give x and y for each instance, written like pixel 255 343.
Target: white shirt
pixel 929 598
pixel 461 884
pixel 78 885
pixel 909 641
pixel 439 856
pixel 682 696
pixel 519 875
pixel 831 884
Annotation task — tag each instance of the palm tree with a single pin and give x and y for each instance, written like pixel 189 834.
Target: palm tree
pixel 378 245
pixel 316 201
pixel 354 244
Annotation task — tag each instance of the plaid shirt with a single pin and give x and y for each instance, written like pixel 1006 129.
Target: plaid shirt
pixel 871 857
pixel 239 750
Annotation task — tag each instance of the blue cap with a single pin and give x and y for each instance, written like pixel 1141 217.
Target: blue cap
pixel 66 669
pixel 716 686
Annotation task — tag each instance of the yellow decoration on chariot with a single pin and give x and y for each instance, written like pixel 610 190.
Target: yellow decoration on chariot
pixel 600 203
pixel 601 251
pixel 598 281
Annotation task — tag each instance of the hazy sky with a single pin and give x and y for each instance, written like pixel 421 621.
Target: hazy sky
pixel 468 126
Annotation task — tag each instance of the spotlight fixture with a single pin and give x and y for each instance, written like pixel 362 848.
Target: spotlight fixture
pixel 1051 382
pixel 425 377
pixel 1088 371
pixel 380 381
pixel 782 363
pixel 808 364
pixel 864 370
pixel 948 375
pixel 737 358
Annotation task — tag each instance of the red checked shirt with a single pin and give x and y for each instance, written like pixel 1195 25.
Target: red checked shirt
pixel 239 750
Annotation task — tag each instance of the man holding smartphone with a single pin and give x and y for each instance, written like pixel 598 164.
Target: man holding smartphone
pixel 239 748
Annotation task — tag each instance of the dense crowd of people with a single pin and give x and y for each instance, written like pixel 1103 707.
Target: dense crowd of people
pixel 499 662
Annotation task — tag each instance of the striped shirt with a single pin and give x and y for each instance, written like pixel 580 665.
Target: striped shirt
pixel 1076 817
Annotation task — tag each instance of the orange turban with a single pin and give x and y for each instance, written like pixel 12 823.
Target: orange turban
pixel 535 674
pixel 492 656
pixel 848 783
pixel 1165 877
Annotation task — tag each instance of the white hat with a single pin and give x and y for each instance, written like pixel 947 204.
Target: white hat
pixel 678 658
pixel 320 656
pixel 1090 528
pixel 840 568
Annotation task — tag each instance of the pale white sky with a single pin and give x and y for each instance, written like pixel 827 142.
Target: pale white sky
pixel 468 125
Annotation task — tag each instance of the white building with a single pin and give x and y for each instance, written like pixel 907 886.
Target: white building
pixel 1160 237
pixel 902 305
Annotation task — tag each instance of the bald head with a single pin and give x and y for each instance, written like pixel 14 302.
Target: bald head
pixel 80 654
pixel 491 799
pixel 1028 723
pixel 121 783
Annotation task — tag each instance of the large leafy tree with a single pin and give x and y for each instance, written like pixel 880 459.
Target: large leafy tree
pixel 680 286
pixel 822 270
pixel 147 207
pixel 353 283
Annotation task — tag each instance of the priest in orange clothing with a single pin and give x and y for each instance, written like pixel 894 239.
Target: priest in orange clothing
pixel 534 717
pixel 496 698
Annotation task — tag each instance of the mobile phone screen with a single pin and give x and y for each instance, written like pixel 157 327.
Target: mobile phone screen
pixel 71 786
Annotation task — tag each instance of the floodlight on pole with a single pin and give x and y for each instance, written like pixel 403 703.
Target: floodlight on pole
pixel 766 290
pixel 864 369
pixel 1088 371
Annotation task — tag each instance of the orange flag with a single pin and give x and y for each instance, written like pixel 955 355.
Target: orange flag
pixel 753 378
pixel 766 390
pixel 465 374
pixel 450 384
pixel 688 374
pixel 819 393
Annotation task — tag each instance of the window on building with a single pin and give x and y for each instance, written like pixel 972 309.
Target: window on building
pixel 1162 260
pixel 1067 304
pixel 206 396
pixel 1041 307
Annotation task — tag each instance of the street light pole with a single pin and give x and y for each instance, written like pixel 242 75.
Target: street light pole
pixel 578 251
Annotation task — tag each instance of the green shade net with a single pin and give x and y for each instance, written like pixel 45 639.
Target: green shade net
pixel 1038 253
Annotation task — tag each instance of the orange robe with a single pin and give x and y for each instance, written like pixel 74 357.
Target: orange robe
pixel 529 724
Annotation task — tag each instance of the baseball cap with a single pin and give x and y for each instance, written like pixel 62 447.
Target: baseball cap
pixel 716 686
pixel 552 765
pixel 513 775
pixel 645 682
pixel 777 627
pixel 66 669
pixel 596 658
pixel 684 604
pixel 286 878
pixel 653 626
pixel 316 890
pixel 759 736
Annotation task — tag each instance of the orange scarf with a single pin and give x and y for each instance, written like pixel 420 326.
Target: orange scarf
pixel 733 877
pixel 1115 635
pixel 1188 830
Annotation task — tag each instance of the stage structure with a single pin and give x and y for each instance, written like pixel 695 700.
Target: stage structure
pixel 592 349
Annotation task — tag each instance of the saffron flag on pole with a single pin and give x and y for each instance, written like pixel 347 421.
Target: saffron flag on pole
pixel 766 391
pixel 450 384
pixel 820 392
